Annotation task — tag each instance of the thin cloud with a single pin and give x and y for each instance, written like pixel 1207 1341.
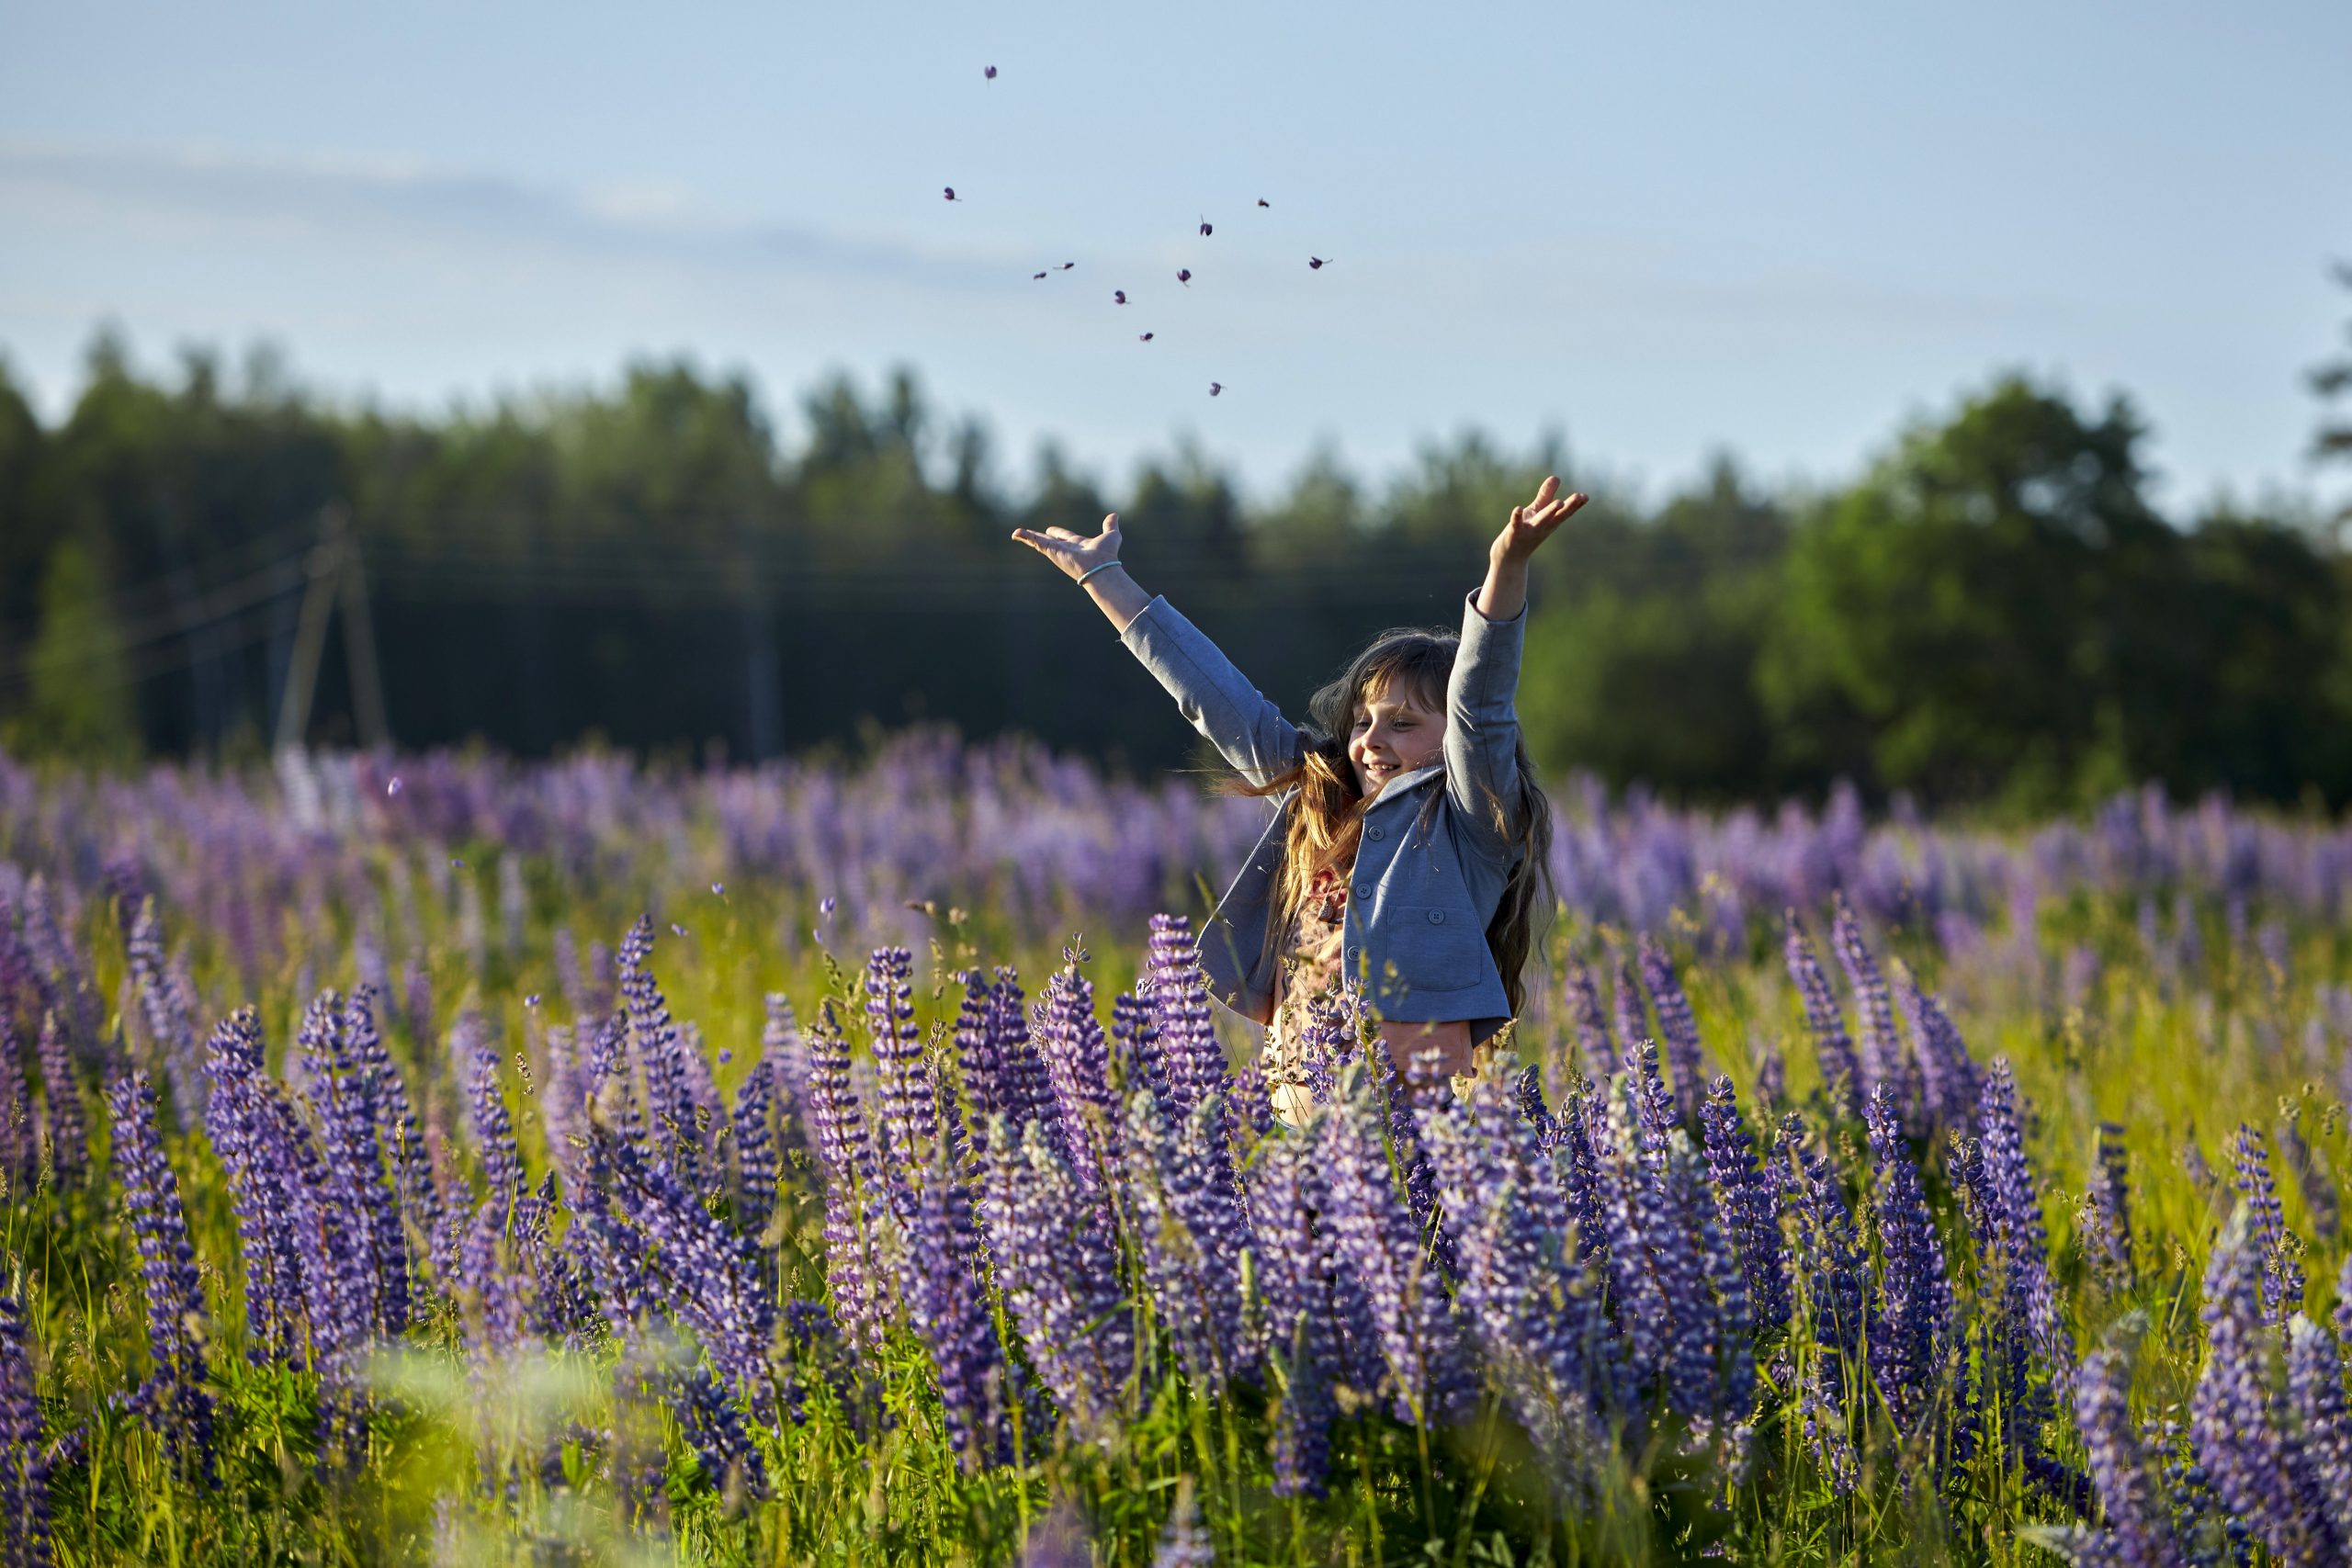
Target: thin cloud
pixel 203 191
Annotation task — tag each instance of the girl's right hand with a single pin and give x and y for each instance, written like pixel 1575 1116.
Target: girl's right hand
pixel 1074 553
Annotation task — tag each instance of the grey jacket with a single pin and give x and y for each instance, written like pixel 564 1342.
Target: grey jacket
pixel 1431 868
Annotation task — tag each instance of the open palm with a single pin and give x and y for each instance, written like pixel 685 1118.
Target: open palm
pixel 1531 525
pixel 1074 553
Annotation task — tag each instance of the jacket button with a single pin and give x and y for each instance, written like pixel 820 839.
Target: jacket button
pixel 1355 956
pixel 1363 889
pixel 1375 833
pixel 1437 917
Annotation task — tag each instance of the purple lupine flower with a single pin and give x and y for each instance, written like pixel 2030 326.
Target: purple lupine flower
pixel 1949 1082
pixel 908 1119
pixel 19 1144
pixel 1677 1025
pixel 2107 1233
pixel 2282 1266
pixel 1178 994
pixel 1252 1103
pixel 1746 1204
pixel 861 1285
pixel 178 1323
pixel 2253 1462
pixel 401 1146
pixel 1058 1268
pixel 754 1151
pixel 1527 1091
pixel 1626 1003
pixel 2130 1491
pixel 1381 1247
pixel 610 1085
pixel 1880 1050
pixel 1842 1074
pixel 2315 1392
pixel 492 1299
pixel 69 1142
pixel 1190 1233
pixel 23 1465
pixel 1911 1349
pixel 1537 1313
pixel 713 1428
pixel 343 1088
pixel 494 1127
pixel 1184 1543
pixel 703 1271
pixel 170 1013
pixel 1576 1167
pixel 1135 1059
pixel 2014 1210
pixel 1590 1023
pixel 1303 1329
pixel 1077 1058
pixel 1841 1310
pixel 950 1310
pixel 783 1055
pixel 653 1038
pixel 239 1132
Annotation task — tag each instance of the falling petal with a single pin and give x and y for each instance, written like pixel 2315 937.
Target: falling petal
pixel 1263 202
pixel 1315 263
pixel 1038 276
pixel 1214 387
pixel 393 788
pixel 950 193
pixel 1184 276
pixel 1064 266
pixel 1145 338
pixel 719 889
pixel 1207 228
pixel 676 926
pixel 532 1001
pixel 825 906
pixel 990 73
pixel 725 1055
pixel 1118 297
pixel 456 861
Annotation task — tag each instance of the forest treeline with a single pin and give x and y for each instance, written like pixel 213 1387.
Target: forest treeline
pixel 1992 614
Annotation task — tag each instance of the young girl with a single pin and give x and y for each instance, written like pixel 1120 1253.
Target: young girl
pixel 1409 860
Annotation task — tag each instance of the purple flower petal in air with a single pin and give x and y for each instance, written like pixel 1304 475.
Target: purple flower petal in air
pixel 1263 202
pixel 719 889
pixel 1064 266
pixel 1184 276
pixel 532 1001
pixel 989 73
pixel 950 193
pixel 1207 228
pixel 1118 297
pixel 1314 263
pixel 1037 276
pixel 825 906
pixel 1145 338
pixel 1214 387
pixel 393 788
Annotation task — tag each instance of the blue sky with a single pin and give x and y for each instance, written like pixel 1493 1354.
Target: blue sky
pixel 1661 229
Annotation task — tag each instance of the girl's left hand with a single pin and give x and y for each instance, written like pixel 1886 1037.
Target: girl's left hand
pixel 1531 525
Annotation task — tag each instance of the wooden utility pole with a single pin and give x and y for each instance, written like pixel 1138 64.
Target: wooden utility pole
pixel 336 574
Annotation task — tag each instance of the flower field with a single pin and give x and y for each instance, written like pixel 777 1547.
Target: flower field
pixel 454 1159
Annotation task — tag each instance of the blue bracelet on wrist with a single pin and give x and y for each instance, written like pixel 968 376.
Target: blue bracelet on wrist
pixel 1090 570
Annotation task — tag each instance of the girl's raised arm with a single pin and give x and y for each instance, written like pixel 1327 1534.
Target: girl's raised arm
pixel 1481 713
pixel 1215 697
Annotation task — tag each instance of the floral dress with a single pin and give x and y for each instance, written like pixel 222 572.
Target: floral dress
pixel 1309 973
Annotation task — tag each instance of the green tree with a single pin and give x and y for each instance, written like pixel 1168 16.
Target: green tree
pixel 1953 625
pixel 76 678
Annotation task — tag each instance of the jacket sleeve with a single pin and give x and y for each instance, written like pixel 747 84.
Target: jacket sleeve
pixel 1482 729
pixel 1214 697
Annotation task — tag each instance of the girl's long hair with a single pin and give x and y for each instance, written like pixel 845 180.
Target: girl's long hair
pixel 1327 817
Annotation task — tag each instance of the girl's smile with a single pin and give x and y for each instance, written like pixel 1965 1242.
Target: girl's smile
pixel 1390 738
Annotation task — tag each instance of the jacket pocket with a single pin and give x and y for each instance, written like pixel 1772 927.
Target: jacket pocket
pixel 1437 948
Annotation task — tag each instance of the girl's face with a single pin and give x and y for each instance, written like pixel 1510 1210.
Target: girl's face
pixel 1392 733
